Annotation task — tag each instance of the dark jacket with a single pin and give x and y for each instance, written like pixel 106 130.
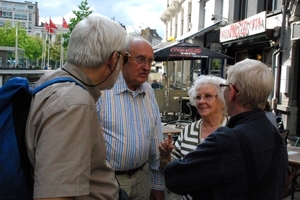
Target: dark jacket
pixel 216 168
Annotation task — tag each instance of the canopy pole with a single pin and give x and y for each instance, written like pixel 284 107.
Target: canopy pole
pixel 180 99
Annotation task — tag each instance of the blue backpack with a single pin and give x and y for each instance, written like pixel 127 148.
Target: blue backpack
pixel 16 181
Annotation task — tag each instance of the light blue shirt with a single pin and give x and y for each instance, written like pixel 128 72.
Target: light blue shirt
pixel 132 126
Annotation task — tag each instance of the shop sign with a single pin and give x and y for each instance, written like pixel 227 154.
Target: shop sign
pixel 247 27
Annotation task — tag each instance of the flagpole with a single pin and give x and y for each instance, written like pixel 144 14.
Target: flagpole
pixel 61 51
pixel 16 52
pixel 44 36
pixel 49 38
pixel 44 48
pixel 64 25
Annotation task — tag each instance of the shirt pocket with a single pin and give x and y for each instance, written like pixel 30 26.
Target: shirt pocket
pixel 148 126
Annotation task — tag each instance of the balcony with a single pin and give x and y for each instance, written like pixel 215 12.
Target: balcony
pixel 174 7
pixel 171 10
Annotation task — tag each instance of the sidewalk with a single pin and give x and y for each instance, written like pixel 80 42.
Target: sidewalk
pixel 296 194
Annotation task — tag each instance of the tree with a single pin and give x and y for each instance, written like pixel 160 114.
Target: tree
pixel 84 11
pixel 32 45
pixel 33 48
pixel 8 35
pixel 55 49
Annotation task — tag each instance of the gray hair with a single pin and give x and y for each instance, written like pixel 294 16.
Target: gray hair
pixel 93 40
pixel 207 79
pixel 132 38
pixel 254 81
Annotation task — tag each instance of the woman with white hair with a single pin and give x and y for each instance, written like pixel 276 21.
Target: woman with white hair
pixel 208 98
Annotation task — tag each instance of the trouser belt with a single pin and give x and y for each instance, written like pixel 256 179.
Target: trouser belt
pixel 131 171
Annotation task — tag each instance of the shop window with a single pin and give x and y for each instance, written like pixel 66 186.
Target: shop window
pixel 215 68
pixel 255 54
pixel 240 55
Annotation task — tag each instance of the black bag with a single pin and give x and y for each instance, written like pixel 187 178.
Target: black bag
pixel 123 195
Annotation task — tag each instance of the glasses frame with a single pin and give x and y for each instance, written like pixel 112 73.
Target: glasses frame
pixel 205 97
pixel 126 57
pixel 228 85
pixel 143 61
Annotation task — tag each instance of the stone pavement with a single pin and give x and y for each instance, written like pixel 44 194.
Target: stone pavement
pixel 291 142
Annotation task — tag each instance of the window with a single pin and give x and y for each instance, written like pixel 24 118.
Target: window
pixel 189 17
pixel 215 68
pixel 7 14
pixel 240 11
pixel 21 16
pixel 171 27
pixel 176 26
pixel 19 6
pixel 7 5
pixel 243 11
pixel 240 55
pixel 182 22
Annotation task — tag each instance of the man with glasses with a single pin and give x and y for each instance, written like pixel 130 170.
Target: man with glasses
pixel 131 122
pixel 65 143
pixel 247 159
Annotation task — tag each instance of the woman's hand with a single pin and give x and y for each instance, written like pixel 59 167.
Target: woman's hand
pixel 166 146
pixel 165 149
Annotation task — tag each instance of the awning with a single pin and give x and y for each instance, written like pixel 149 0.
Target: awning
pixel 201 32
pixel 164 44
pixel 185 51
pixel 190 35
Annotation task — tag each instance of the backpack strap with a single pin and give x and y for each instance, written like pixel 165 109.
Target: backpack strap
pixel 254 186
pixel 20 108
pixel 55 80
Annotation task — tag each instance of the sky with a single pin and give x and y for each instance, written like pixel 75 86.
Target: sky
pixel 134 14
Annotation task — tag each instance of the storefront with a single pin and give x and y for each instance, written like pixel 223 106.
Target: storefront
pixel 255 37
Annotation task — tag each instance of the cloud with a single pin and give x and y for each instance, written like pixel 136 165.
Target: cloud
pixel 134 14
pixel 142 14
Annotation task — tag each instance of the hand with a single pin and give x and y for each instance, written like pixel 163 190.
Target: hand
pixel 157 195
pixel 166 146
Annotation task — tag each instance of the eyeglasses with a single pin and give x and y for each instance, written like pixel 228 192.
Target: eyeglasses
pixel 126 57
pixel 143 60
pixel 228 85
pixel 205 97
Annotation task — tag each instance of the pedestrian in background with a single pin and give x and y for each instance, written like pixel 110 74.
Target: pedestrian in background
pixel 64 140
pixel 245 160
pixel 131 122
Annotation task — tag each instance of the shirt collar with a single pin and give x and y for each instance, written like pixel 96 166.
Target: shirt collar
pixel 121 87
pixel 83 78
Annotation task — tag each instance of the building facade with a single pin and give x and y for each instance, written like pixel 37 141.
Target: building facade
pixel 266 30
pixel 25 13
pixel 151 35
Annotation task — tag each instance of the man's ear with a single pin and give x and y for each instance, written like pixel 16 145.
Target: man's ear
pixel 232 93
pixel 112 60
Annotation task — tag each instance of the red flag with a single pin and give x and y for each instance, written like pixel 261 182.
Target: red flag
pixel 48 28
pixel 64 24
pixel 52 25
